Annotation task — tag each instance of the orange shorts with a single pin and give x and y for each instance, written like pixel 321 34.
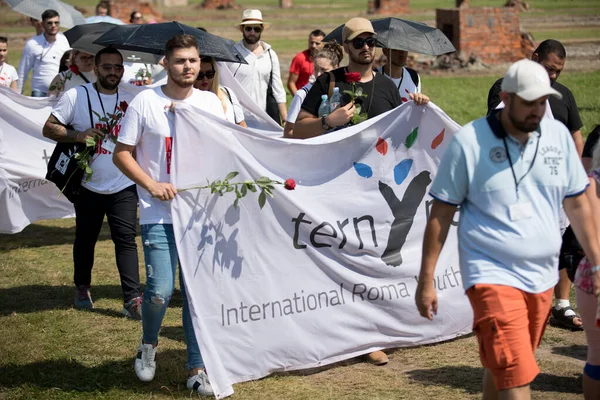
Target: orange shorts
pixel 509 324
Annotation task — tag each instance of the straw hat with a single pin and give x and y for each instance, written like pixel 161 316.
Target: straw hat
pixel 253 17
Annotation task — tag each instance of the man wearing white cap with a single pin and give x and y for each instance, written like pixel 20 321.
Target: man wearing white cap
pixel 262 71
pixel 510 173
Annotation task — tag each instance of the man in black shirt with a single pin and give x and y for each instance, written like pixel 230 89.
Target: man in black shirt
pixel 551 55
pixel 359 43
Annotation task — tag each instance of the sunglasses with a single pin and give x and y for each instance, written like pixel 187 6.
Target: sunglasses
pixel 256 29
pixel 208 74
pixel 359 43
pixel 110 67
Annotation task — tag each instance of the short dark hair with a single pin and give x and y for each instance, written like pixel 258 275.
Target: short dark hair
pixel 133 15
pixel 103 4
pixel 317 32
pixel 49 14
pixel 106 50
pixel 551 46
pixel 181 41
pixel 3 39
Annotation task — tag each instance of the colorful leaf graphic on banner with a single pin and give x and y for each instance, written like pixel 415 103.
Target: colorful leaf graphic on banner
pixel 438 139
pixel 410 140
pixel 382 146
pixel 401 170
pixel 363 170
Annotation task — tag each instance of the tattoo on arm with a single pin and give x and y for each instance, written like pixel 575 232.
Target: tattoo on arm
pixel 56 131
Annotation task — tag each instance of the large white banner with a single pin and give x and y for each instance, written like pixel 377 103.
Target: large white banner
pixel 322 273
pixel 25 195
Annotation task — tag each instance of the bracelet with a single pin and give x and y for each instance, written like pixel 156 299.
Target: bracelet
pixel 595 268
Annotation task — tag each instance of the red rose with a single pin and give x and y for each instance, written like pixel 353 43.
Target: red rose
pixel 352 77
pixel 123 106
pixel 290 184
pixel 74 69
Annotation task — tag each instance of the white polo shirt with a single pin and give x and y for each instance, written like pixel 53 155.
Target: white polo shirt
pixel 507 238
pixel 44 59
pixel 254 76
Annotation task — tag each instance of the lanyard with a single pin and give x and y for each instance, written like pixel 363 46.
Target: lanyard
pixel 100 100
pixel 512 167
pixel 47 51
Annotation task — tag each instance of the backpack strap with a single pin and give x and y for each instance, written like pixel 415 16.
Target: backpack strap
pixel 89 105
pixel 271 75
pixel 331 84
pixel 228 94
pixel 414 76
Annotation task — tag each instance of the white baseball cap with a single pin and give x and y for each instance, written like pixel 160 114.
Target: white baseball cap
pixel 528 80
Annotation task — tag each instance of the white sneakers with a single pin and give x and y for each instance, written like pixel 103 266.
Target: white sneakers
pixel 200 384
pixel 145 364
pixel 145 368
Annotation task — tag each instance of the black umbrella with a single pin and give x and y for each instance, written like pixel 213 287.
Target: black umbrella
pixel 401 34
pixel 151 38
pixel 81 37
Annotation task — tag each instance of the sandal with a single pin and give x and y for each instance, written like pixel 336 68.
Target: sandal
pixel 560 320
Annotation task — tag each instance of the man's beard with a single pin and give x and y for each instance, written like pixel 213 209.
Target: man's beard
pixel 522 126
pixel 103 80
pixel 356 58
pixel 252 39
pixel 180 81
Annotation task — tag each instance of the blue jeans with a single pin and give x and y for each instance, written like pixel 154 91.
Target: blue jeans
pixel 160 254
pixel 38 93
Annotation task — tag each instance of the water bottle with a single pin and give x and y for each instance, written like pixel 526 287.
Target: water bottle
pixel 336 100
pixel 324 107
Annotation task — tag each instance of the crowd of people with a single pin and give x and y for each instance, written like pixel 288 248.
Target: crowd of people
pixel 516 175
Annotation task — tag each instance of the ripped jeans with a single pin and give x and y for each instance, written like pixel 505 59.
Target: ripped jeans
pixel 160 254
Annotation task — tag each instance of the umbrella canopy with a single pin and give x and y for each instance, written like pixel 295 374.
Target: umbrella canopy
pixel 401 34
pixel 82 38
pixel 104 18
pixel 151 38
pixel 69 16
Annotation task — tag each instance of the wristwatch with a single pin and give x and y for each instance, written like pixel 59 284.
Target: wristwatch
pixel 324 123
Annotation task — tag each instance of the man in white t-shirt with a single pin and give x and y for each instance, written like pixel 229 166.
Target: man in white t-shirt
pixel 8 73
pixel 42 53
pixel 148 130
pixel 76 118
pixel 407 80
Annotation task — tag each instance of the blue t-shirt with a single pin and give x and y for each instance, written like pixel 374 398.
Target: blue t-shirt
pixel 475 173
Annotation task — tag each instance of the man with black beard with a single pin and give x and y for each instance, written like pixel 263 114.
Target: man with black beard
pixel 76 118
pixel 263 64
pixel 359 41
pixel 510 173
pixel 552 55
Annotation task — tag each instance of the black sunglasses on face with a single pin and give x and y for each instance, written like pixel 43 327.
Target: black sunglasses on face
pixel 110 67
pixel 208 74
pixel 359 43
pixel 256 29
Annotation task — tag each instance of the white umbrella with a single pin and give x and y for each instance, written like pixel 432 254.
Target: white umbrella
pixel 103 18
pixel 69 16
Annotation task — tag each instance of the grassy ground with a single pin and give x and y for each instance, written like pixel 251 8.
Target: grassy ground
pixel 51 351
pixel 465 98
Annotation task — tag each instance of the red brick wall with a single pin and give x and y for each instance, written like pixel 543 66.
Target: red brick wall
pixel 493 34
pixel 122 9
pixel 388 7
